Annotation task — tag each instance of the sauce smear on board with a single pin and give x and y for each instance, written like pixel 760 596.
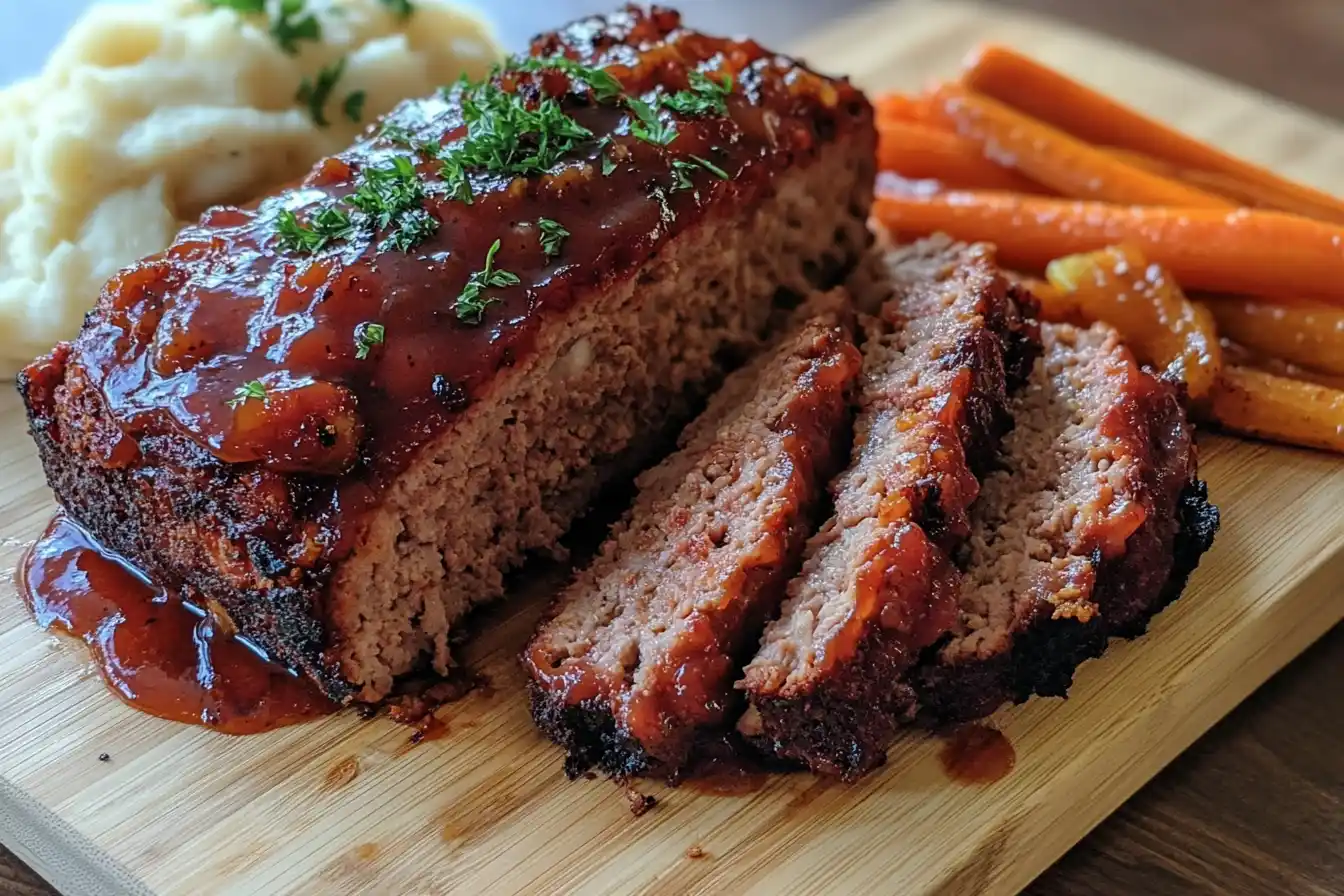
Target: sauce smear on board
pixel 977 754
pixel 156 652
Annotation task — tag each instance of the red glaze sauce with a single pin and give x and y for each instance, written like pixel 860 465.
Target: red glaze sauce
pixel 977 754
pixel 156 652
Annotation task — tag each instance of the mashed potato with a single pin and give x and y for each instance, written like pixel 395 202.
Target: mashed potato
pixel 149 113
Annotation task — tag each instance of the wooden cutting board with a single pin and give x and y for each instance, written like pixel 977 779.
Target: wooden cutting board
pixel 342 806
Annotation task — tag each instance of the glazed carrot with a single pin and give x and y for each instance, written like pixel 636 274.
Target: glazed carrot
pixel 906 107
pixel 1279 409
pixel 1309 334
pixel 1243 251
pixel 1240 355
pixel 1118 285
pixel 1053 97
pixel 1055 305
pixel 918 151
pixel 1053 158
pixel 1244 193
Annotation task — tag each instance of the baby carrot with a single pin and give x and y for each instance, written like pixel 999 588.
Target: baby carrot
pixel 1309 334
pixel 1282 410
pixel 1051 157
pixel 917 151
pixel 1244 251
pixel 1053 97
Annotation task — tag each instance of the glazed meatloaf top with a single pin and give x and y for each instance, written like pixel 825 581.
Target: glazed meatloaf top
pixel 337 326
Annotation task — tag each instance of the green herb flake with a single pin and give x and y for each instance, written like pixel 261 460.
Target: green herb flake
pixel 314 94
pixel 353 107
pixel 455 176
pixel 384 193
pixel 471 304
pixel 604 86
pixel 705 96
pixel 292 25
pixel 681 175
pixel 367 335
pixel 246 392
pixel 402 9
pixel 553 236
pixel 712 168
pixel 395 133
pixel 412 228
pixel 243 6
pixel 327 225
pixel 648 126
pixel 608 165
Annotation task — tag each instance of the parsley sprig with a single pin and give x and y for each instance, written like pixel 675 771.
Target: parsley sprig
pixel 367 335
pixel 314 93
pixel 553 236
pixel 506 135
pixel 705 96
pixel 683 169
pixel 648 125
pixel 604 85
pixel 293 24
pixel 252 389
pixel 388 198
pixel 471 304
pixel 402 9
pixel 243 6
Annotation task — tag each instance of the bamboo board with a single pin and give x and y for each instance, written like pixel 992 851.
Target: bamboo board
pixel 340 806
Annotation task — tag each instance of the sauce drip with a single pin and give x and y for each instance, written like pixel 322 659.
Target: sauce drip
pixel 156 652
pixel 977 754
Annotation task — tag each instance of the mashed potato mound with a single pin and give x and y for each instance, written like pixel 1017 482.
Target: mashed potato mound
pixel 147 114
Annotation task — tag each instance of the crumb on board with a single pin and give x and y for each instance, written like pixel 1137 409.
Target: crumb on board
pixel 639 802
pixel 104 757
pixel 696 851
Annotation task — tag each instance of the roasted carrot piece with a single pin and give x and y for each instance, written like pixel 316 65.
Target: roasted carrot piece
pixel 1241 356
pixel 1118 285
pixel 1056 306
pixel 1309 334
pixel 1051 157
pixel 1053 97
pixel 918 151
pixel 906 107
pixel 1245 251
pixel 1282 410
pixel 1244 193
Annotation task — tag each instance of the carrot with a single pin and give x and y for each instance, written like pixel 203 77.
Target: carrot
pixel 1053 97
pixel 1240 355
pixel 1053 158
pixel 1118 285
pixel 1241 192
pixel 905 107
pixel 1309 334
pixel 1282 410
pixel 1243 251
pixel 918 151
pixel 1055 305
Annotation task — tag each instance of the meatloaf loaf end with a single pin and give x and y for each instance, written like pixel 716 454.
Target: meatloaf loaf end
pixel 1091 526
pixel 643 648
pixel 877 585
pixel 340 415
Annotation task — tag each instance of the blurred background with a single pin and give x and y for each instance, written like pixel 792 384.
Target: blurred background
pixel 1290 48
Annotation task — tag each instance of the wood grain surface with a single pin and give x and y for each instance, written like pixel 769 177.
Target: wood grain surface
pixel 1253 808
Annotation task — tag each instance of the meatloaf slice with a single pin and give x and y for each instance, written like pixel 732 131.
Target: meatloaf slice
pixel 877 585
pixel 645 644
pixel 1091 526
pixel 342 414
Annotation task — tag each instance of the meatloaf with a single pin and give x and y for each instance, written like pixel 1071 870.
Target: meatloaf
pixel 340 415
pixel 644 646
pixel 1091 525
pixel 878 584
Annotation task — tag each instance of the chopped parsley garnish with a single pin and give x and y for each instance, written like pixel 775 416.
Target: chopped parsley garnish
pixel 712 168
pixel 507 136
pixel 291 25
pixel 385 193
pixel 648 126
pixel 414 226
pixel 602 83
pixel 553 236
pixel 400 8
pixel 367 335
pixel 353 107
pixel 243 6
pixel 396 133
pixel 246 392
pixel 608 164
pixel 471 304
pixel 314 94
pixel 459 184
pixel 705 96
pixel 329 224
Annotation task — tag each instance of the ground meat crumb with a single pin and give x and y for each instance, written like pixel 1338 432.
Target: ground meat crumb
pixel 639 802
pixel 696 852
pixel 104 757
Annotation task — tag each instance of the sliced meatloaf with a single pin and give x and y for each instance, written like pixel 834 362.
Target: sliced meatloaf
pixel 643 647
pixel 1091 526
pixel 342 414
pixel 877 585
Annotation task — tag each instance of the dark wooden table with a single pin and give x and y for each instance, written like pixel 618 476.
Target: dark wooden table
pixel 1257 805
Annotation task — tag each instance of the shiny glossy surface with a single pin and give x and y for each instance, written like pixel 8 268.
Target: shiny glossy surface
pixel 155 652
